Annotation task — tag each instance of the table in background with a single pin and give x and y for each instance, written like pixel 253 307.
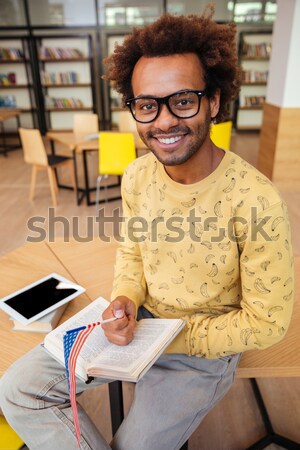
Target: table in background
pixel 6 114
pixel 78 144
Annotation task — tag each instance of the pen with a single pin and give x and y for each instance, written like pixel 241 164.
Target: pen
pixel 108 320
pixel 85 326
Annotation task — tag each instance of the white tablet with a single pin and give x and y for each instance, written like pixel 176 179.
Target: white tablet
pixel 39 298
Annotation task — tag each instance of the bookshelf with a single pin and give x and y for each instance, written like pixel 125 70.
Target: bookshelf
pixel 115 101
pixel 254 54
pixel 16 82
pixel 66 75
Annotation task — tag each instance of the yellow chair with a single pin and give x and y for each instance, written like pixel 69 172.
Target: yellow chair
pixel 85 123
pixel 220 134
pixel 9 440
pixel 116 151
pixel 35 154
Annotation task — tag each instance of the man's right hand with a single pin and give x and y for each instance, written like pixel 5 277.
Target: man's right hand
pixel 121 331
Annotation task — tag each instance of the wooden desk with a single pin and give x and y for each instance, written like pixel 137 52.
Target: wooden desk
pixel 6 114
pixel 17 269
pixel 77 144
pixel 73 141
pixel 282 359
pixel 91 265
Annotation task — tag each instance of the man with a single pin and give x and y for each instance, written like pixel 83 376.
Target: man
pixel 206 238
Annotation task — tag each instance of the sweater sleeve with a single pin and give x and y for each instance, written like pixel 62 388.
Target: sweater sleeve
pixel 267 286
pixel 129 277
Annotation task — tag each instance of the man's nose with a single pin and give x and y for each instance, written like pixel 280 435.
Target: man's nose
pixel 165 119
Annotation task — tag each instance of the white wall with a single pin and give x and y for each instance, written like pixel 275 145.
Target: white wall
pixel 284 76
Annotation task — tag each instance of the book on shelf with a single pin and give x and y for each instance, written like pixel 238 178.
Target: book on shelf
pixel 100 358
pixel 63 103
pixel 60 53
pixel 254 76
pixel 59 78
pixel 11 54
pixel 8 79
pixel 45 324
pixel 262 50
pixel 254 100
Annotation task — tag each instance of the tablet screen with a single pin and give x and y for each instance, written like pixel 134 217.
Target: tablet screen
pixel 37 299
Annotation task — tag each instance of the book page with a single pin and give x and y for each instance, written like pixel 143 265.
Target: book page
pixel 150 335
pixel 96 341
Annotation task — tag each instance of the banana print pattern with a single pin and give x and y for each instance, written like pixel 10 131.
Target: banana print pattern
pixel 214 270
pixel 217 209
pixel 230 186
pixel 228 273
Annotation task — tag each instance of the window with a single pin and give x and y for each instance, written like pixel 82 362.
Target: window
pixel 130 12
pixel 248 11
pixel 270 11
pixel 64 12
pixel 222 8
pixel 12 13
pixel 260 11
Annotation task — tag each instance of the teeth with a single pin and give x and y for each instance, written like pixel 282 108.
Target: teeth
pixel 171 140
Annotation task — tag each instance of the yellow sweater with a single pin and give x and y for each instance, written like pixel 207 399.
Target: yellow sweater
pixel 216 253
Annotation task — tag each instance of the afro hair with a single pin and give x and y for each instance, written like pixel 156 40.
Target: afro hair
pixel 214 44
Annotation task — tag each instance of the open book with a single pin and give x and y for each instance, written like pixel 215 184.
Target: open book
pixel 100 358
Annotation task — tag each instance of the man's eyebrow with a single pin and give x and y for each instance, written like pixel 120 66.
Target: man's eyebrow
pixel 162 96
pixel 146 95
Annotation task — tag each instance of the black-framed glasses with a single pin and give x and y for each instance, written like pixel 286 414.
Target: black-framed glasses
pixel 182 104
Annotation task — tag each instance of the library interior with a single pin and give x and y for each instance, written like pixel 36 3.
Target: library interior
pixel 59 110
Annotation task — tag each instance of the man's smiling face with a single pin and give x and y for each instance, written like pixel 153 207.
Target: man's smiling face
pixel 173 140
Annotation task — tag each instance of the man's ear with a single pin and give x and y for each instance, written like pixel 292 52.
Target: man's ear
pixel 214 102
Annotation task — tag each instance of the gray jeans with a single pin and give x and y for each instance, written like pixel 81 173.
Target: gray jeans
pixel 169 403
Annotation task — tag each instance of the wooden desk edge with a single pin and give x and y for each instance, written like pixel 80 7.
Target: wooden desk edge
pixel 78 145
pixel 268 372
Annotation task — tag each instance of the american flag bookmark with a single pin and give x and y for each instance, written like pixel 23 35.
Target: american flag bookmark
pixel 73 342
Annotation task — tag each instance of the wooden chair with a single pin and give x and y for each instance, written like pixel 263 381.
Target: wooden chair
pixel 220 134
pixel 127 124
pixel 116 151
pixel 35 154
pixel 85 123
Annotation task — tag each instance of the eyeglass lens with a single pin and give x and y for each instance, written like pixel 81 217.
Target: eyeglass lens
pixel 183 104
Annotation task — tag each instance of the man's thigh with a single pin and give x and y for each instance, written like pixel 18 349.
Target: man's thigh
pixel 38 381
pixel 172 399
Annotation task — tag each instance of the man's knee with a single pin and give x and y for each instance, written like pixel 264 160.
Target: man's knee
pixel 11 389
pixel 21 383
